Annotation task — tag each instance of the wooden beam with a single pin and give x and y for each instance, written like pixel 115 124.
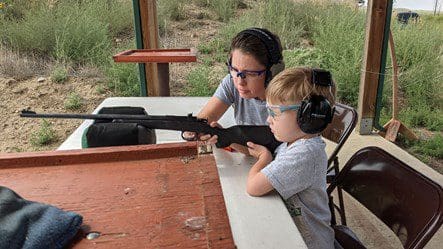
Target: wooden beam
pixel 149 27
pixel 372 62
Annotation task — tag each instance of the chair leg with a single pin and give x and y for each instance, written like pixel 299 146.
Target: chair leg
pixel 332 209
pixel 341 205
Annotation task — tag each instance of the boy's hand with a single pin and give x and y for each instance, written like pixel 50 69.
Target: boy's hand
pixel 260 152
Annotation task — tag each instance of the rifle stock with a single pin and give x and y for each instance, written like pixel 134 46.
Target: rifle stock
pixel 240 134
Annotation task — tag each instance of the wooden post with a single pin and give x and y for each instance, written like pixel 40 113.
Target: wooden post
pixel 372 62
pixel 394 126
pixel 149 27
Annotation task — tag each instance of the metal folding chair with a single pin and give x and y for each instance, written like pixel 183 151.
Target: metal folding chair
pixel 343 123
pixel 408 202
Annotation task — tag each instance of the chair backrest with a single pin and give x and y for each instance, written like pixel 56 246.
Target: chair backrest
pixel 408 202
pixel 338 131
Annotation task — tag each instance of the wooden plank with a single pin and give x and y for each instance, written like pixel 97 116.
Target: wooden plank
pixel 150 196
pixel 156 55
pixel 394 77
pixel 392 130
pixel 375 24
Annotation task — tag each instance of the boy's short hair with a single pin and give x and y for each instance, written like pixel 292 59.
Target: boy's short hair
pixel 294 85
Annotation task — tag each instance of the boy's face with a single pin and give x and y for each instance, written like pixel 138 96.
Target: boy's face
pixel 248 75
pixel 283 122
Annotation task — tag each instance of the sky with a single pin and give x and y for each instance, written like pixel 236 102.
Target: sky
pixel 416 4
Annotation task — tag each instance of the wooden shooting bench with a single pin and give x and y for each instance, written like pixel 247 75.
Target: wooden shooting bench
pixel 151 196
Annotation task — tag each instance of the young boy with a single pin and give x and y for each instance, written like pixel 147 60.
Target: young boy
pixel 298 172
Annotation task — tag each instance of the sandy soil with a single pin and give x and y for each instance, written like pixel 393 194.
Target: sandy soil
pixel 49 97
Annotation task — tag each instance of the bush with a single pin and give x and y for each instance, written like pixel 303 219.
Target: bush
pixel 34 32
pixel 73 101
pixel 202 81
pixel 302 57
pixel 432 147
pixel 81 37
pixel 223 8
pixel 339 37
pixel 123 78
pixel 77 31
pixel 170 9
pixel 19 66
pixel 59 74
pixel 44 136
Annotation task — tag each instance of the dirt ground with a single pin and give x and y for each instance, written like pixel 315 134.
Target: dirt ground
pixel 47 96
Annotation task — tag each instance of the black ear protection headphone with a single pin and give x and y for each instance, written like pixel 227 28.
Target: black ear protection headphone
pixel 316 112
pixel 275 58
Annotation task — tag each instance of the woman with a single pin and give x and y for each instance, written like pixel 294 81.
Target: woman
pixel 255 58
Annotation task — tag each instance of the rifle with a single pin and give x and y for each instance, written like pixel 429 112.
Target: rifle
pixel 240 134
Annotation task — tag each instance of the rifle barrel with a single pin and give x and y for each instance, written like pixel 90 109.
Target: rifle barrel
pixel 32 114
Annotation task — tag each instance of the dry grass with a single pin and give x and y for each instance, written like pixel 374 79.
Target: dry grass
pixel 20 67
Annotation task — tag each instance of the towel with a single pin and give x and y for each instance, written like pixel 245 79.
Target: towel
pixel 28 224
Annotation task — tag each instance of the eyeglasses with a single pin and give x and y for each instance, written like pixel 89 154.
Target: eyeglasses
pixel 245 73
pixel 277 110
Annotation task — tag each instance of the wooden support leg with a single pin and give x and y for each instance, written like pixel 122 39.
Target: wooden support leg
pixel 163 79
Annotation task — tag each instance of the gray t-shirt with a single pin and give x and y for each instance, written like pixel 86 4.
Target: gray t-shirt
pixel 246 111
pixel 298 173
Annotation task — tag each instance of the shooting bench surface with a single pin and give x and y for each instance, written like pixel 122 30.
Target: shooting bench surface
pixel 150 196
pixel 156 55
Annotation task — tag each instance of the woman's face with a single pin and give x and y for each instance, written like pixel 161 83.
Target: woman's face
pixel 248 75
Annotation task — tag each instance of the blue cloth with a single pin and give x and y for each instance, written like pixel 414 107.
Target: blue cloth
pixel 28 224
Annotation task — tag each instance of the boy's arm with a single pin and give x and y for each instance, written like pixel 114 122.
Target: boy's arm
pixel 258 184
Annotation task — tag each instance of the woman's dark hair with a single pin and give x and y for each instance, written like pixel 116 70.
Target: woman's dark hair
pixel 251 44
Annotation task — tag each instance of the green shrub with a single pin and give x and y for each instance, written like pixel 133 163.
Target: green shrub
pixel 123 79
pixel 20 66
pixel 279 16
pixel 77 31
pixel 422 117
pixel 170 9
pixel 59 74
pixel 16 9
pixel 339 38
pixel 118 15
pixel 33 32
pixel 100 89
pixel 223 8
pixel 302 57
pixel 44 136
pixel 81 37
pixel 202 81
pixel 432 147
pixel 73 101
pixel 420 58
pixel 201 3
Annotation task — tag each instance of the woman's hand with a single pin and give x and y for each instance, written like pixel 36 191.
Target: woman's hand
pixel 207 138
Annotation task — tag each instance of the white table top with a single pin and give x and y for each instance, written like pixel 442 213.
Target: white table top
pixel 256 222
